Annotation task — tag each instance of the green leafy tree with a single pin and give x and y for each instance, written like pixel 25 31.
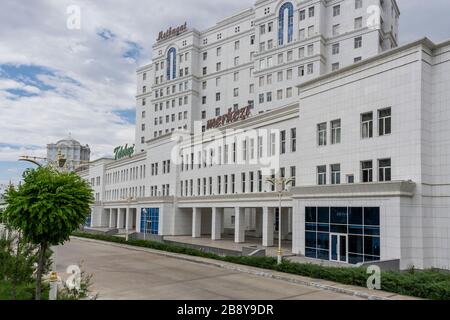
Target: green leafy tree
pixel 46 208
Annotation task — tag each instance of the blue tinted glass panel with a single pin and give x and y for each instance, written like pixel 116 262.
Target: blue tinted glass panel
pixel 324 215
pixel 355 258
pixel 355 216
pixel 372 246
pixel 372 216
pixel 324 227
pixel 372 231
pixel 311 253
pixel 311 227
pixel 310 239
pixel 355 229
pixel 338 215
pixel 310 214
pixel 337 228
pixel 323 240
pixel 355 244
pixel 323 254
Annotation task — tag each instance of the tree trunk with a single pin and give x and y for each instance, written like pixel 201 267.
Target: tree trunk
pixel 41 263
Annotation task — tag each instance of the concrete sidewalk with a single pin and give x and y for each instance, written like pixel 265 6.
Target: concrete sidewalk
pixel 352 291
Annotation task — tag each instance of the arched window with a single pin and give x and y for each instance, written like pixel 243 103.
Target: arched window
pixel 286 6
pixel 171 64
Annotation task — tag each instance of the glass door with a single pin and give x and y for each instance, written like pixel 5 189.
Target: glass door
pixel 338 244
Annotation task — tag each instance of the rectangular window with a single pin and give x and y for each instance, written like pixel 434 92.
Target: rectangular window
pixel 311 12
pixel 384 122
pixel 367 125
pixel 321 175
pixel 335 174
pixel 366 171
pixel 293 176
pixel 293 139
pixel 302 15
pixel 283 142
pixel 358 4
pixel 336 131
pixel 335 49
pixel 243 182
pixel 322 134
pixel 358 42
pixel 259 181
pixel 336 10
pixel 384 170
pixel 233 180
pixel 358 23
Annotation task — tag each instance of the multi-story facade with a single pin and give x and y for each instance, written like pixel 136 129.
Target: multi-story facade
pixel 255 58
pixel 365 144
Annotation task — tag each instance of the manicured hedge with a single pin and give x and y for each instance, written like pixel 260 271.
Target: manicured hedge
pixel 427 284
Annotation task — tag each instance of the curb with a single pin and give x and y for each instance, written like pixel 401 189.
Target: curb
pixel 249 270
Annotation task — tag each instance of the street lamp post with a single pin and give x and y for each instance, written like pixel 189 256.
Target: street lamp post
pixel 280 185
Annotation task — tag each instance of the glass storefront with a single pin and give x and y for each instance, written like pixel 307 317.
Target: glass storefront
pixel 150 220
pixel 343 234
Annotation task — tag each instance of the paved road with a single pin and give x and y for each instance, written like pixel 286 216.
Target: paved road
pixel 120 273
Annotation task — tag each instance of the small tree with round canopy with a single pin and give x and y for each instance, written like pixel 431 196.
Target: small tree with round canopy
pixel 46 208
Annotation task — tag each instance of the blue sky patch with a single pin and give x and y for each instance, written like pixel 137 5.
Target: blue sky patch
pixel 127 115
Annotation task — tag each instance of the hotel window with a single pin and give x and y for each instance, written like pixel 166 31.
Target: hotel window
pixel 219 36
pixel 259 181
pixel 273 144
pixel 261 81
pixel 219 51
pixel 244 150
pixel 335 173
pixel 218 96
pixel 293 139
pixel 289 56
pixel 243 182
pixel 218 66
pixel 252 40
pixel 251 88
pixel 261 98
pixel 260 147
pixel 262 46
pixel 233 183
pixel 358 23
pixel 335 66
pixel 225 189
pixel 234 152
pixel 366 171
pixel 252 149
pixel 384 121
pixel 357 59
pixel 358 4
pixel 236 61
pixel 204 100
pixel 384 170
pixel 217 112
pixel 269 79
pixel 280 58
pixel 280 76
pixel 218 81
pixel 302 34
pixel 204 186
pixel 143 114
pixel 210 185
pixel 205 71
pixel 358 42
pixel 367 125
pixel 336 29
pixel 236 92
pixel 237 45
pixel 310 31
pixel 236 76
pixel 279 94
pixel 204 83
pixel 262 29
pixel 335 49
pixel 269 44
pixel 269 96
pixel 289 92
pixel 289 74
pixel 272 176
pixel 262 64
pixel 270 27
pixel 335 131
pixel 310 50
pixel 293 176
pixel 322 175
pixel 302 15
pixel 205 56
pixel 301 52
pixel 322 134
pixel 311 12
pixel 252 178
pixel 301 71
pixel 336 10
pixel 219 184
pixel 283 142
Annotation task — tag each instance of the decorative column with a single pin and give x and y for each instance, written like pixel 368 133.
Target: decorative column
pixel 239 229
pixel 216 225
pixel 196 223
pixel 268 226
pixel 111 219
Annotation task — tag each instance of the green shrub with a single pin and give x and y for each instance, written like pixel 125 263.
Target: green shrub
pixel 428 284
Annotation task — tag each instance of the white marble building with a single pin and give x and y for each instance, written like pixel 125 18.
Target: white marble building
pixel 75 153
pixel 367 145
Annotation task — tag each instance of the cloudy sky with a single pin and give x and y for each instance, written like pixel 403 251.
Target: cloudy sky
pixel 56 80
